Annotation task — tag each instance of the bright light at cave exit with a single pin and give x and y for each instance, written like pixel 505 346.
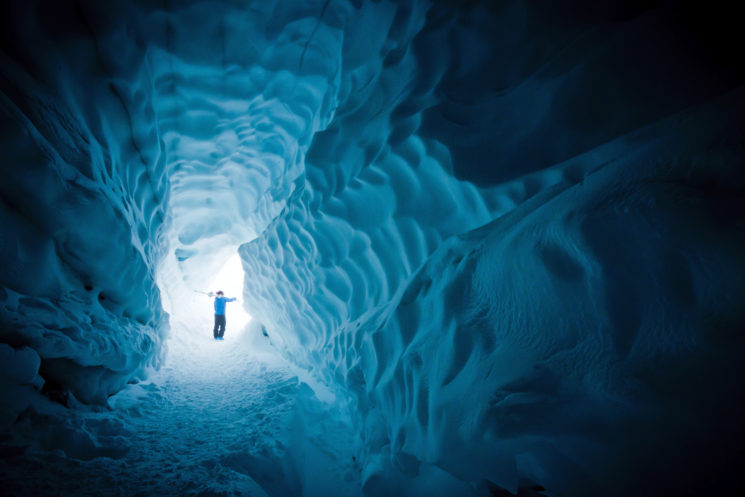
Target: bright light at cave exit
pixel 230 280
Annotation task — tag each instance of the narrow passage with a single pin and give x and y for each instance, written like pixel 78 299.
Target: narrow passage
pixel 221 418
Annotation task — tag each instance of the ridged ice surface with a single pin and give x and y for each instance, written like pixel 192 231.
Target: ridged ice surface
pixel 506 239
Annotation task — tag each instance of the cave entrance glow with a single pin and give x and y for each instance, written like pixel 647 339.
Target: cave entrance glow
pixel 185 287
pixel 193 355
pixel 229 279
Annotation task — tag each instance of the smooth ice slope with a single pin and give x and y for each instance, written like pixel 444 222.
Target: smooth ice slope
pixel 506 238
pixel 613 279
pixel 597 304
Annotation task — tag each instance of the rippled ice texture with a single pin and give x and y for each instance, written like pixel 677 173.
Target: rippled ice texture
pixel 488 247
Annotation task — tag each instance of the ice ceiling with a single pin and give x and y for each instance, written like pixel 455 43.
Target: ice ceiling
pixel 509 236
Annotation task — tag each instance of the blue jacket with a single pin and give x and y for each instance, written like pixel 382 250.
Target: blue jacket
pixel 220 305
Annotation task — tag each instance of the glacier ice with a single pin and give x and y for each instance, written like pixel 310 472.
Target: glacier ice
pixel 489 248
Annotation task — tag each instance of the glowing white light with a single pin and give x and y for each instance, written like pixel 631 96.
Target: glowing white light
pixel 230 280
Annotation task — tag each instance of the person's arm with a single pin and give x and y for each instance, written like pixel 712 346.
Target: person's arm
pixel 231 299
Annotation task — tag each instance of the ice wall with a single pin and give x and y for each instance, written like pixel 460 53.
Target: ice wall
pixel 579 324
pixel 83 200
pixel 504 234
pixel 550 345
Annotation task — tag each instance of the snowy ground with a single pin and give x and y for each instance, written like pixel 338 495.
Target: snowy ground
pixel 221 418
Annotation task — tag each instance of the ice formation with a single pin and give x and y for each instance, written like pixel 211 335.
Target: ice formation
pixel 490 248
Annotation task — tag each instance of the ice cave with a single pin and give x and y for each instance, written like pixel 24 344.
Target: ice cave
pixel 478 248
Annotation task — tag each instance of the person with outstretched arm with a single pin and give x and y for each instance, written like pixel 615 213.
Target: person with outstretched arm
pixel 220 301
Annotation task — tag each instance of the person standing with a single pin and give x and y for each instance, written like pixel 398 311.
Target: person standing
pixel 220 300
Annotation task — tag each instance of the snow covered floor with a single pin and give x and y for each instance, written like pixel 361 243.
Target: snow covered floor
pixel 221 418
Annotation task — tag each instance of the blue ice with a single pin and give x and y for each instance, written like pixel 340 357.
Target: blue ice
pixel 478 249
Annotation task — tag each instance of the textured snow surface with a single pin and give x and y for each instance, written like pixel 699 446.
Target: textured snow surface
pixel 502 241
pixel 229 418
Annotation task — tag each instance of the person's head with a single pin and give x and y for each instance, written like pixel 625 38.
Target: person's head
pixel 219 292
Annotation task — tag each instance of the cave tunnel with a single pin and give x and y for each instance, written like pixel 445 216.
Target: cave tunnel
pixel 478 248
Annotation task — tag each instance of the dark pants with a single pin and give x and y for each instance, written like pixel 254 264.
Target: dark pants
pixel 219 329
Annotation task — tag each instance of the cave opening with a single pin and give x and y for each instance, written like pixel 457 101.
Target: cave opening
pixel 190 304
pixel 479 248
